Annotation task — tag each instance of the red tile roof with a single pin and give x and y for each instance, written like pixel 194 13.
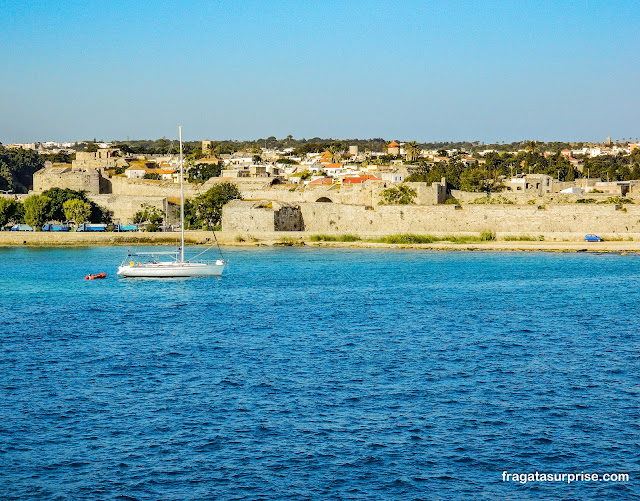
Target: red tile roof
pixel 360 179
pixel 322 180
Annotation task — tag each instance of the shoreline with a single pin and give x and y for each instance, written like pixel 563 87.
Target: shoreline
pixel 288 239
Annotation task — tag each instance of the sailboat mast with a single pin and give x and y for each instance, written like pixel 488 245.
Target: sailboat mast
pixel 181 197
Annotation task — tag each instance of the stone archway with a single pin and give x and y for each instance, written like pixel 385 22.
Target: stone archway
pixel 325 200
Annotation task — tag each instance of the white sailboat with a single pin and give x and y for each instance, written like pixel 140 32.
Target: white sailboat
pixel 152 267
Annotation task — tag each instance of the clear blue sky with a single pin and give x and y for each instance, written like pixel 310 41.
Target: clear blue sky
pixel 410 70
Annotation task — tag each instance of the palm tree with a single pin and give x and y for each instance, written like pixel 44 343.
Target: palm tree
pixel 333 149
pixel 412 151
pixel 532 146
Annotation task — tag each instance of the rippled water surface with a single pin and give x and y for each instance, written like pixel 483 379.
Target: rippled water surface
pixel 319 373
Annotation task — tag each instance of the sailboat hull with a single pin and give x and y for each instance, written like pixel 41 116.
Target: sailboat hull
pixel 179 267
pixel 172 270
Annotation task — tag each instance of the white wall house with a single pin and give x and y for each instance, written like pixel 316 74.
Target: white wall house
pixel 393 177
pixel 135 172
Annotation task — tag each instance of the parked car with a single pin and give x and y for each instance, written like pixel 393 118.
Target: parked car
pixel 592 238
pixel 22 227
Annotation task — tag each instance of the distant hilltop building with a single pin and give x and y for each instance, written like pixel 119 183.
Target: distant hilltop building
pixel 608 141
pixel 105 158
pixel 354 150
pixel 24 146
pixel 393 148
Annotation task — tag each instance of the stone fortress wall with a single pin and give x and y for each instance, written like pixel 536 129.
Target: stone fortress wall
pixel 575 219
pixel 465 197
pixel 125 207
pixel 355 208
pixel 80 179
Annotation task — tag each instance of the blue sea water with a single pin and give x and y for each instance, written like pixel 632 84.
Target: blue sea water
pixel 319 374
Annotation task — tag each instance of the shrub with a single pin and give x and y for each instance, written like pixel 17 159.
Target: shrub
pixel 334 238
pixel 487 236
pixel 398 195
pixel 519 238
pixel 288 241
pixel 617 200
pixel 407 238
pixel 287 161
pixel 497 200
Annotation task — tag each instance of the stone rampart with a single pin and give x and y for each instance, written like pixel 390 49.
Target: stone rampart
pixel 18 197
pixel 125 207
pixel 355 194
pixel 245 216
pixel 92 181
pixel 88 179
pixel 466 197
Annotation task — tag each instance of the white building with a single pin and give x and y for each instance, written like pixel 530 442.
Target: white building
pixel 393 177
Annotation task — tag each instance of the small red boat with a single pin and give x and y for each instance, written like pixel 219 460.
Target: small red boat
pixel 96 276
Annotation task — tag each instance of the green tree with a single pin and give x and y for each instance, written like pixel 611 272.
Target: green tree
pixel 398 195
pixel 148 214
pixel 287 161
pixel 473 179
pixel 58 197
pixel 206 209
pixel 532 147
pixel 334 149
pixel 91 147
pixel 625 173
pixel 412 151
pixel 77 211
pixel 163 146
pixel 6 176
pixel 11 212
pixel 36 210
pixel 17 167
pixel 199 173
pixel 60 157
